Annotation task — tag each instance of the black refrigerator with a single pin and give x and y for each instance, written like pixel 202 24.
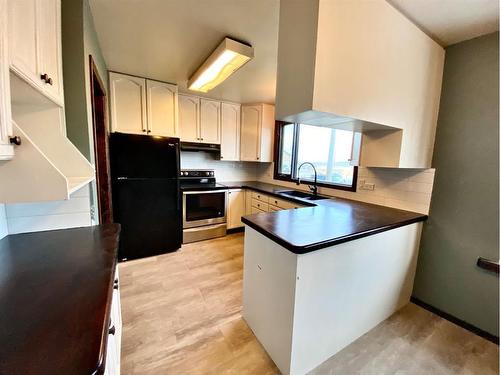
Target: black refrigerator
pixel 145 193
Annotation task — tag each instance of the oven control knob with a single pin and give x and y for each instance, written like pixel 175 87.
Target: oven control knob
pixel 207 173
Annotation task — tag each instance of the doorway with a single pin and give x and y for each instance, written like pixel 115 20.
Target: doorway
pixel 101 151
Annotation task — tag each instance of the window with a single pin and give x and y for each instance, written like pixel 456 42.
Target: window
pixel 333 152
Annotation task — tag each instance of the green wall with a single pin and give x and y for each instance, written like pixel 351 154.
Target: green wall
pixel 463 222
pixel 79 40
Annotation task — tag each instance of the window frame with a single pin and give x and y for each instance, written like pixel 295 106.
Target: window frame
pixel 289 178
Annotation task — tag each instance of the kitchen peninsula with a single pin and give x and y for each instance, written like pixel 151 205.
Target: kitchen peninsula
pixel 317 278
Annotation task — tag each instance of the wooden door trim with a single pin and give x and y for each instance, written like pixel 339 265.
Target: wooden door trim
pixel 101 151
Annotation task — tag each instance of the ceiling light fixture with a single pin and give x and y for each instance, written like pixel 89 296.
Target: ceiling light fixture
pixel 227 58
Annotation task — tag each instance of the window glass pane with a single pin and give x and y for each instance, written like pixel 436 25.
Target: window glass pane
pixel 285 166
pixel 330 152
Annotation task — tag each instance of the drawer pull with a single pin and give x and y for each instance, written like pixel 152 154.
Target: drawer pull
pixel 112 330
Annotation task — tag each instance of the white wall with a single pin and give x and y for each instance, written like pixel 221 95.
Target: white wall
pixel 406 189
pixel 224 170
pixel 34 217
pixel 3 222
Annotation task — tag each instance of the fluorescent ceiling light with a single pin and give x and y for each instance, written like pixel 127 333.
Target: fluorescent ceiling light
pixel 227 58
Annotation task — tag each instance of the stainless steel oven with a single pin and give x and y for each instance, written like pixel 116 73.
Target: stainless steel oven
pixel 204 206
pixel 201 208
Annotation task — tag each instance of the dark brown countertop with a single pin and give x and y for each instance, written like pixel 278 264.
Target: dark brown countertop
pixel 55 296
pixel 327 222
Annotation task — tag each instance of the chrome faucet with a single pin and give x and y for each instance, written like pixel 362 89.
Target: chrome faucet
pixel 314 187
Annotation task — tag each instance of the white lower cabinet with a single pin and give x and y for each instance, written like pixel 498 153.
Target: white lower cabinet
pixel 248 202
pixel 113 348
pixel 235 208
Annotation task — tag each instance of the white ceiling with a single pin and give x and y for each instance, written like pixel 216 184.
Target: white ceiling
pixel 169 39
pixel 451 21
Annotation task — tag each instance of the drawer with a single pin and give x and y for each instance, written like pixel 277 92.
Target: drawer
pixel 274 208
pixel 281 203
pixel 260 205
pixel 261 197
pixel 255 210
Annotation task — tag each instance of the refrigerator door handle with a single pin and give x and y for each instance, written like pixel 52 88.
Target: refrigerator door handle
pixel 178 164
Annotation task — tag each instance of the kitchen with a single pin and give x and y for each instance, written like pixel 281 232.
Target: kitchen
pixel 201 222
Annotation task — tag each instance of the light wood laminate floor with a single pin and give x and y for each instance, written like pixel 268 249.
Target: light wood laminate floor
pixel 182 315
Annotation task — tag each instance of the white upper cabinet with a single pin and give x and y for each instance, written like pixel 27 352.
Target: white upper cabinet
pixel 6 149
pixel 189 118
pixel 209 121
pixel 143 106
pixel 230 131
pixel 162 111
pixel 199 119
pixel 35 44
pixel 23 40
pixel 128 104
pixel 50 45
pixel 250 129
pixel 257 132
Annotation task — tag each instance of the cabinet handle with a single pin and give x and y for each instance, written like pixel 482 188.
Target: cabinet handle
pixel 201 139
pixel 45 77
pixel 112 330
pixel 115 286
pixel 149 131
pixel 15 140
pixel 144 130
pixel 258 158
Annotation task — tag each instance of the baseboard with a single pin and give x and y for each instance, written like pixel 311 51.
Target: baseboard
pixel 235 230
pixel 459 322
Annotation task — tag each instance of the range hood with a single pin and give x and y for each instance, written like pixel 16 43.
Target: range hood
pixel 340 61
pixel 195 146
pixel 46 166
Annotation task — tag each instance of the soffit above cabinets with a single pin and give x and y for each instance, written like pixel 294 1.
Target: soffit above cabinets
pixel 169 40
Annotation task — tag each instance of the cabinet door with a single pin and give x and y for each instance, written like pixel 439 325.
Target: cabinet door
pixel 128 104
pixel 189 117
pixel 251 117
pixel 236 208
pixel 209 121
pixel 230 131
pixel 248 202
pixel 23 41
pixel 6 149
pixel 162 108
pixel 49 37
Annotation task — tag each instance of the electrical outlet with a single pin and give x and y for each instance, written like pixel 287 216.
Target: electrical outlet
pixel 368 186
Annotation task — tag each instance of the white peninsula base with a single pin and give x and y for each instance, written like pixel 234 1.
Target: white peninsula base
pixel 305 308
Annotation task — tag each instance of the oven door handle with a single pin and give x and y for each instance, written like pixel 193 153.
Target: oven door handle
pixel 204 192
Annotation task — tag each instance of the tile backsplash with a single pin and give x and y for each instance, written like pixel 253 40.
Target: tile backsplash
pixel 406 189
pixel 224 170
